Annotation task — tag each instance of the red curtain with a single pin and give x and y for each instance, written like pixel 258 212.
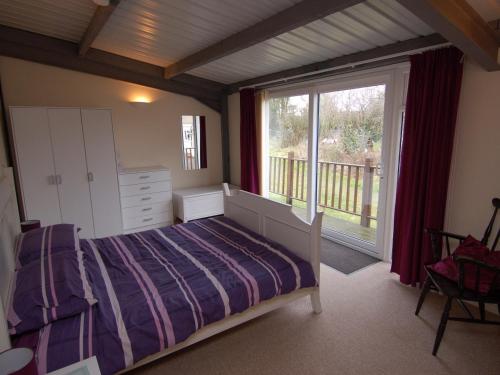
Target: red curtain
pixel 248 142
pixel 431 111
pixel 203 142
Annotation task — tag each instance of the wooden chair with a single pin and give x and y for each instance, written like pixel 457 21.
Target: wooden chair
pixel 456 290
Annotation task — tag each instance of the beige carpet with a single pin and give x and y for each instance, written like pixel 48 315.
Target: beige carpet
pixel 367 327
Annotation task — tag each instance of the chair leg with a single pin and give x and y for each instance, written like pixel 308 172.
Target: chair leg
pixel 442 325
pixel 465 308
pixel 482 311
pixel 423 294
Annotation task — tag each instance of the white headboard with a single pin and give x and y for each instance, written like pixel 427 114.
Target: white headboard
pixel 9 229
pixel 277 222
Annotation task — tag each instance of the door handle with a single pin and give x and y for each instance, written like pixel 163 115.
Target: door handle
pixel 51 179
pixel 58 179
pixel 145 187
pixel 379 170
pixel 90 177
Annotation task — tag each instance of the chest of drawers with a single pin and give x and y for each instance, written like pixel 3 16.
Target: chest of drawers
pixel 146 198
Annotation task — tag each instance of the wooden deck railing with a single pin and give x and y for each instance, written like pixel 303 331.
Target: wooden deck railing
pixel 341 186
pixel 190 158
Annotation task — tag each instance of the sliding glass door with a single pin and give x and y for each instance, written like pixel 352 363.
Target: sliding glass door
pixel 327 148
pixel 351 139
pixel 287 148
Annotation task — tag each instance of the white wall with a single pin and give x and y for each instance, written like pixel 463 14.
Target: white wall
pixel 144 135
pixel 234 138
pixel 475 171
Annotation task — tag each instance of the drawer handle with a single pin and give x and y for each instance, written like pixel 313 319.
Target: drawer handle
pixel 146 199
pixel 146 220
pixel 145 187
pixel 143 177
pixel 147 209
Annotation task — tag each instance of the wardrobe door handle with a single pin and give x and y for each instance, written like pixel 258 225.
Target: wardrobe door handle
pixel 51 179
pixel 58 179
pixel 90 177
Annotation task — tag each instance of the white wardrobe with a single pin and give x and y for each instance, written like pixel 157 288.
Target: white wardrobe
pixel 67 167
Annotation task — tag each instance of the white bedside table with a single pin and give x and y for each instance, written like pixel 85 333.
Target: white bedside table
pixel 88 366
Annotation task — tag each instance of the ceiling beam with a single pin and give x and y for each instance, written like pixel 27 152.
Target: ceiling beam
pixel 495 25
pixel 291 18
pixel 458 22
pixel 99 19
pixel 51 51
pixel 347 61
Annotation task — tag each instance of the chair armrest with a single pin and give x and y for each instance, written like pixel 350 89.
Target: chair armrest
pixel 442 233
pixel 479 267
pixel 436 236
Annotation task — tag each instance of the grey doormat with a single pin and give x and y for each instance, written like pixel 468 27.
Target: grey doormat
pixel 344 259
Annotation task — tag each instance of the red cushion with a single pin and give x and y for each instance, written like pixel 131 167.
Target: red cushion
pixel 493 259
pixel 472 248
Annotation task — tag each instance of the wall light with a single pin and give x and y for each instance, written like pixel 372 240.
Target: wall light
pixel 102 3
pixel 140 101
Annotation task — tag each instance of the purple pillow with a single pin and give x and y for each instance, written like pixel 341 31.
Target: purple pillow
pixel 37 243
pixel 47 290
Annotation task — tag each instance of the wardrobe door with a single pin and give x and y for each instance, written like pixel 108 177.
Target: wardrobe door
pixel 71 168
pixel 35 164
pixel 103 177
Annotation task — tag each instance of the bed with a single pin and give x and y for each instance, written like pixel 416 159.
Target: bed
pixel 161 290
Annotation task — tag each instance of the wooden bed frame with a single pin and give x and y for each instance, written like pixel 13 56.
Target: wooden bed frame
pixel 273 220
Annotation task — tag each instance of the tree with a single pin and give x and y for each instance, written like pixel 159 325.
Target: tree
pixel 349 119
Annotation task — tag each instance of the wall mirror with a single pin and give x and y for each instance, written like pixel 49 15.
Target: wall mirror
pixel 194 142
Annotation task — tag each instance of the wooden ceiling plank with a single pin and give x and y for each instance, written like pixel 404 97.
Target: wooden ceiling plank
pixel 291 18
pixel 353 59
pixel 99 19
pixel 458 22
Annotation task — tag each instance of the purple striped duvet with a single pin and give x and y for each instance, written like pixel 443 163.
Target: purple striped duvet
pixel 156 288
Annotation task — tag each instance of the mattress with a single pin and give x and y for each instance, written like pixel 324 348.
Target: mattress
pixel 158 287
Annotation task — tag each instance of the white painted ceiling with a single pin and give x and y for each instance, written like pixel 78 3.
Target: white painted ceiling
pixel 163 31
pixel 63 19
pixel 365 26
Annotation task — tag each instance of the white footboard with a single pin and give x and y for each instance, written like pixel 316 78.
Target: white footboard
pixel 277 222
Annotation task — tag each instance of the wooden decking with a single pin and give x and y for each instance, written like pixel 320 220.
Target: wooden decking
pixel 337 221
pixel 346 227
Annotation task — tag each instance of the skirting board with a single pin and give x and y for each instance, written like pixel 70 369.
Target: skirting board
pixel 228 323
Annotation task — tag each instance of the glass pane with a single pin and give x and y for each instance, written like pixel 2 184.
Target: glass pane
pixel 349 153
pixel 288 130
pixel 193 142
